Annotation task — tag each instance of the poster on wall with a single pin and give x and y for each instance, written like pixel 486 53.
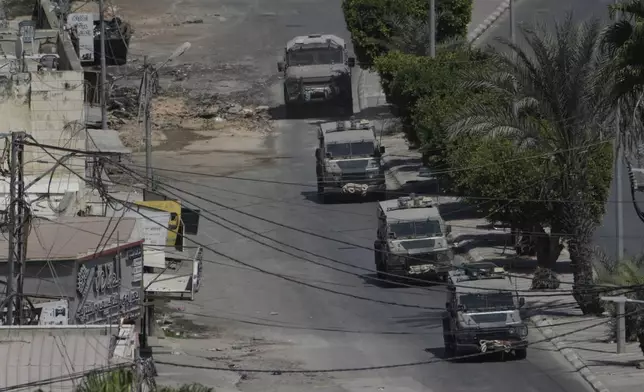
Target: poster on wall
pixel 135 256
pixel 83 24
pixel 53 313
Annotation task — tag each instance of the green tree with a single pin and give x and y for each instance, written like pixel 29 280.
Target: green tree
pixel 414 84
pixel 624 42
pixel 553 100
pixel 372 23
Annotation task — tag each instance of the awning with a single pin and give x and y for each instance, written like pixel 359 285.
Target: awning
pixel 105 140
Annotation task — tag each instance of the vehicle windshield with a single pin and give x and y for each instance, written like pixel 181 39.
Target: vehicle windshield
pixel 340 150
pixel 427 228
pixel 315 56
pixel 497 301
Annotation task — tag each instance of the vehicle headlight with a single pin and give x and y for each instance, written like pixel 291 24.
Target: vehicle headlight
pixel 523 331
pixel 512 330
pixel 372 165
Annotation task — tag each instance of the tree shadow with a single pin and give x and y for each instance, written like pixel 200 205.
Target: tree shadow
pixel 337 198
pixel 391 282
pixel 459 210
pixel 328 112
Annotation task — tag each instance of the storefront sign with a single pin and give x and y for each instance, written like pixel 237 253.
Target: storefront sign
pixel 101 295
pixel 135 256
pixel 115 306
pixel 100 279
pixel 84 26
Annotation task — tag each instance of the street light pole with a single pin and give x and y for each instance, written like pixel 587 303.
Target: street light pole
pixel 149 75
pixel 432 28
pixel 513 34
pixel 103 86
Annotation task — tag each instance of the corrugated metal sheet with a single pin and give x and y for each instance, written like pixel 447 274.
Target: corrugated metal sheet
pixel 48 357
pixel 69 237
pixel 105 140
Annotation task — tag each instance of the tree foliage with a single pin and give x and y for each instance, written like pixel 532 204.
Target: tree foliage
pixel 371 22
pixel 424 90
pixel 553 100
pixel 628 273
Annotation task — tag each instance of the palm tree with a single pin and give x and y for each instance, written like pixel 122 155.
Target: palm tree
pixel 623 40
pixel 117 380
pixel 552 100
pixel 628 273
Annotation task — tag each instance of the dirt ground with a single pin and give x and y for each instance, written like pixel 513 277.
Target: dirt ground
pixel 189 121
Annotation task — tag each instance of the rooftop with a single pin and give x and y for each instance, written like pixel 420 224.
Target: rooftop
pixel 69 238
pixel 315 40
pixel 481 276
pixel 35 44
pixel 332 134
pixel 48 356
pixel 407 214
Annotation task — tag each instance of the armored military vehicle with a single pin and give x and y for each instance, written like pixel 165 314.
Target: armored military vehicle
pixel 348 159
pixel 412 239
pixel 317 68
pixel 483 312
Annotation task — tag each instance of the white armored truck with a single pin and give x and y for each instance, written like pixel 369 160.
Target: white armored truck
pixel 317 68
pixel 348 159
pixel 482 313
pixel 412 239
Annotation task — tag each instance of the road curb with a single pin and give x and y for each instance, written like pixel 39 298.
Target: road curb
pixel 545 326
pixel 488 22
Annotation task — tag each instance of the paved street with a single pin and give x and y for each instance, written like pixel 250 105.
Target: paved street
pixel 347 321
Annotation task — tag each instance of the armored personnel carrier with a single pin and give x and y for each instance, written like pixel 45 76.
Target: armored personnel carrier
pixel 317 68
pixel 348 160
pixel 412 239
pixel 482 312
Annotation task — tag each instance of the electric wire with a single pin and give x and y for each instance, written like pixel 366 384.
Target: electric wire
pixel 302 230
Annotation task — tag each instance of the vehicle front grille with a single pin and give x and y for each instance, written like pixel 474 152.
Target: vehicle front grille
pixel 354 177
pixel 500 334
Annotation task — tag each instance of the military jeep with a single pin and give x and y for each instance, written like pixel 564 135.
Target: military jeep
pixel 483 313
pixel 317 69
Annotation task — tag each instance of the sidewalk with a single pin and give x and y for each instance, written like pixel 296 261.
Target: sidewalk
pixel 583 342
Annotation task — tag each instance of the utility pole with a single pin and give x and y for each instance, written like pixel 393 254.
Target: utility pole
pixel 146 85
pixel 17 230
pixel 145 93
pixel 432 28
pixel 619 195
pixel 513 34
pixel 103 87
pixel 618 174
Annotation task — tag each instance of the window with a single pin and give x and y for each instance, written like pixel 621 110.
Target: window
pixel 428 228
pixel 351 149
pixel 315 56
pixel 491 300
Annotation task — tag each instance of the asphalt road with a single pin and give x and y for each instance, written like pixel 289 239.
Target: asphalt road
pixel 529 11
pixel 319 329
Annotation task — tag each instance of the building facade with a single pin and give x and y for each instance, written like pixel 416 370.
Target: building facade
pixel 90 278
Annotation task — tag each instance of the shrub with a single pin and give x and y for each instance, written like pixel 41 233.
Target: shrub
pixel 370 22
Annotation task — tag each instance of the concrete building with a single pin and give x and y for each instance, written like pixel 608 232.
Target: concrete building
pixel 93 266
pixel 42 93
pixel 56 358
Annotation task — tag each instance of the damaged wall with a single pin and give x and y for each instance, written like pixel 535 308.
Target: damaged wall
pixel 50 107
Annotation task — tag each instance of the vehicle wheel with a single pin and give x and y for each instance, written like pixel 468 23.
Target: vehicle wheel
pixel 521 353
